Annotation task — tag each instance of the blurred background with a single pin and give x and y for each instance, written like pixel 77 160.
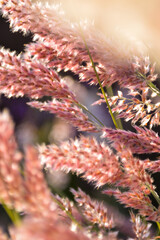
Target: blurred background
pixel 134 23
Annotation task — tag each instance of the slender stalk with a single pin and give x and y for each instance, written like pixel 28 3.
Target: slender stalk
pixel 13 215
pixel 110 94
pixel 69 214
pixel 157 199
pixel 154 193
pixel 11 212
pixel 102 89
pixel 150 84
pixel 86 109
pixel 17 219
pixel 153 88
pixel 158 225
pixel 109 91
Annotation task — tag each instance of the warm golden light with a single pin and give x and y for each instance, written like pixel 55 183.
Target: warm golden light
pixel 138 21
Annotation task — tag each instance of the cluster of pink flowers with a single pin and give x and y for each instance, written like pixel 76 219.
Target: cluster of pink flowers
pixel 58 45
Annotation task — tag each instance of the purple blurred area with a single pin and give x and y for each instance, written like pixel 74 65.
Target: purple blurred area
pixel 18 108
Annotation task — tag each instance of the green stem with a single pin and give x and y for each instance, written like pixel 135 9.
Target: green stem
pixel 110 94
pixel 158 225
pixel 102 89
pixel 85 108
pixel 155 195
pixel 13 215
pixel 109 91
pixel 154 208
pixel 153 88
pixel 11 212
pixel 17 219
pixel 66 211
pixel 150 84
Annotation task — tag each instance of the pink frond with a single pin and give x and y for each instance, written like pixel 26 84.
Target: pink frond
pixel 86 157
pixel 141 228
pixel 40 228
pixel 94 211
pixel 37 194
pixel 19 77
pixel 144 141
pixel 66 49
pixel 11 188
pixel 69 111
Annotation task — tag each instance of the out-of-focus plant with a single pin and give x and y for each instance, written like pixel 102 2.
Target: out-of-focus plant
pixel 58 45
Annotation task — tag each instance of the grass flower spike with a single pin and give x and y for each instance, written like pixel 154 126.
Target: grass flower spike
pixel 115 166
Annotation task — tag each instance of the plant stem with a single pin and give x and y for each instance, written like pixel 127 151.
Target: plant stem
pixel 150 84
pixel 85 108
pixel 69 214
pixel 102 89
pixel 158 225
pixel 153 88
pixel 110 94
pixel 155 195
pixel 13 215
